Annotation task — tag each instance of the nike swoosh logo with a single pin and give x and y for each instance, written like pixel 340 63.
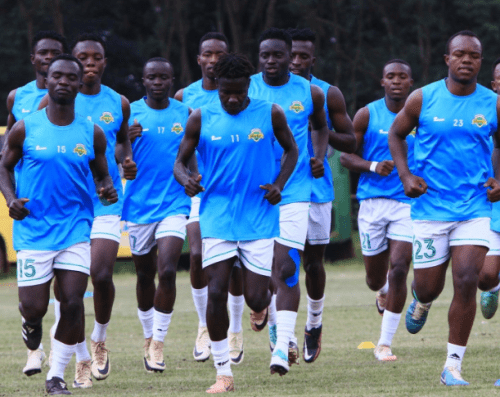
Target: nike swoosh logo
pixel 437 119
pixel 216 138
pixel 222 363
pixel 197 353
pixel 106 368
pixel 237 359
pixel 40 147
pixel 307 356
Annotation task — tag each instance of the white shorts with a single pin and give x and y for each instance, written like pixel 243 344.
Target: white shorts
pixel 494 244
pixel 106 226
pixel 256 255
pixel 37 267
pixel 320 222
pixel 381 220
pixel 433 239
pixel 194 215
pixel 294 218
pixel 143 237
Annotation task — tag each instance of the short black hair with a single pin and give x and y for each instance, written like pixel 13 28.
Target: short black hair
pixel 461 33
pixel 90 36
pixel 66 57
pixel 157 59
pixel 49 34
pixel 497 61
pixel 233 66
pixel 304 34
pixel 279 34
pixel 213 36
pixel 397 60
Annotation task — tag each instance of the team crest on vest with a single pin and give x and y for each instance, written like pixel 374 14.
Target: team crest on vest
pixel 107 117
pixel 80 149
pixel 256 134
pixel 413 131
pixel 177 128
pixel 296 106
pixel 479 120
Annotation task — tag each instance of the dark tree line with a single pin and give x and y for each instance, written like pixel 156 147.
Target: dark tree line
pixel 355 37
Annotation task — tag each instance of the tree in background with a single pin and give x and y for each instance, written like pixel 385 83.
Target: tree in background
pixel 355 37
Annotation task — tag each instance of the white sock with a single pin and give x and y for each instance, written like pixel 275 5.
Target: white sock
pixel 271 320
pixel 61 355
pixel 495 289
pixel 236 305
pixel 57 313
pixel 390 322
pixel 146 319
pixel 161 321
pixel 220 354
pixel 385 289
pixel 200 298
pixel 314 312
pixel 99 332
pixel 455 356
pixel 285 329
pixel 82 353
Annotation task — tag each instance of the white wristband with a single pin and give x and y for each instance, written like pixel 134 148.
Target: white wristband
pixel 373 166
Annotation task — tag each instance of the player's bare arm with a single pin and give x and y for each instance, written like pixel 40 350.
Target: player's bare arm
pixel 290 155
pixel 403 124
pixel 178 95
pixel 13 152
pixel 123 149
pixel 493 184
pixel 355 162
pixel 10 105
pixel 319 131
pixel 10 116
pixel 99 167
pixel 342 138
pixel 187 147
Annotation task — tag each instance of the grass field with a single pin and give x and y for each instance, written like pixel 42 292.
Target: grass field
pixel 350 317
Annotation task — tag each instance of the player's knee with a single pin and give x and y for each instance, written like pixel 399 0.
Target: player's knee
pixel 487 281
pixel 398 274
pixel 375 282
pixel 313 267
pixel 466 283
pixel 145 278
pixel 258 299
pixel 166 276
pixel 72 309
pixel 32 310
pixel 289 268
pixel 217 294
pixel 101 277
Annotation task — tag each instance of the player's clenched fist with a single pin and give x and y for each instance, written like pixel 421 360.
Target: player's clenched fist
pixel 193 187
pixel 134 131
pixel 129 169
pixel 317 168
pixel 273 194
pixel 17 210
pixel 494 190
pixel 108 195
pixel 385 167
pixel 414 186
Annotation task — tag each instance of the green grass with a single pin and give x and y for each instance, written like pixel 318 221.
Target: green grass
pixel 350 317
